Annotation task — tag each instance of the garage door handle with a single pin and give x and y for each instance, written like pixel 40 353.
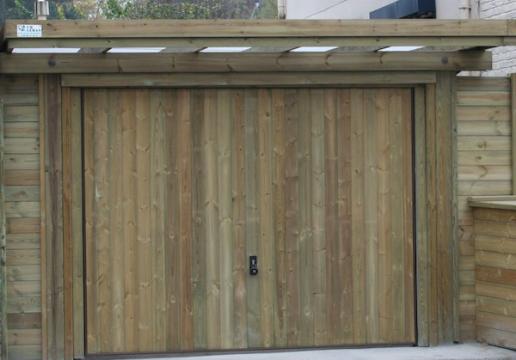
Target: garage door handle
pixel 253 265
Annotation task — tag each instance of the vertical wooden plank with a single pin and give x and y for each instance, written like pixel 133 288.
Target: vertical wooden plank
pixel 103 216
pixel 67 222
pixel 239 220
pixel 305 218
pixel 446 218
pixel 77 225
pixel 421 240
pixel 159 173
pixel 408 214
pixel 318 179
pixel 172 234
pixel 432 211
pixel 279 214
pixel 384 173
pixel 89 185
pixel 199 232
pixel 513 131
pixel 344 286
pixel 3 277
pixel 102 230
pixel 373 107
pixel 144 242
pixel 72 223
pixel 211 213
pixel 185 218
pixel 115 278
pixel 399 308
pixel 358 251
pixel 53 218
pixel 266 239
pixel 454 238
pixel 225 219
pixel 128 120
pixel 291 222
pixel 333 285
pixel 42 232
pixel 254 338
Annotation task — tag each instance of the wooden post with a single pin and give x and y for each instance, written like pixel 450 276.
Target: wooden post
pixel 3 278
pixel 513 125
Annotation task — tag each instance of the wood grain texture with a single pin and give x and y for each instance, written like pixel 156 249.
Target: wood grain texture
pixel 513 129
pixel 250 79
pixel 72 223
pixel 3 245
pixel 267 61
pixel 266 28
pixel 484 166
pixel 199 180
pixel 52 194
pixel 495 271
pixel 21 199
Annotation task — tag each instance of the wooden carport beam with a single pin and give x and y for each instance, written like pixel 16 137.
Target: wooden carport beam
pixel 265 33
pixel 241 62
pixel 266 28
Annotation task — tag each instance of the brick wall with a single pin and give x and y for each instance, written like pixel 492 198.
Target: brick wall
pixel 504 59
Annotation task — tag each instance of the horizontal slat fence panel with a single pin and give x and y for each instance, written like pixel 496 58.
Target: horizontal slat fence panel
pixel 484 167
pixel 22 210
pixel 495 266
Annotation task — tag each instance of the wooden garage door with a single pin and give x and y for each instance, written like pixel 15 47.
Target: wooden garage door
pixel 183 186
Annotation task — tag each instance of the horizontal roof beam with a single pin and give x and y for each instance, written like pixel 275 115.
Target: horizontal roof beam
pixel 265 28
pixel 242 62
pixel 269 79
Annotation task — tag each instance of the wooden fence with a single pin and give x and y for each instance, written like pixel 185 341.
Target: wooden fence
pixel 484 167
pixel 22 216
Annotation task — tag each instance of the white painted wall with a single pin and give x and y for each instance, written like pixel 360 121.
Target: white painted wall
pixel 504 58
pixel 355 9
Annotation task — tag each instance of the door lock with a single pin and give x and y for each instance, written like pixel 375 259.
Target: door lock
pixel 253 265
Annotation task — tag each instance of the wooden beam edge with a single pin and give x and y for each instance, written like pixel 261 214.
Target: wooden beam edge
pixel 42 233
pixel 513 132
pixel 242 63
pixel 266 28
pixel 3 246
pixel 271 79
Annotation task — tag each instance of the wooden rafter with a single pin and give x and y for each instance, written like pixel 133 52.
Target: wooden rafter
pixel 242 62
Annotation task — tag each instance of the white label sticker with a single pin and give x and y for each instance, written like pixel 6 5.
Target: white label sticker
pixel 25 30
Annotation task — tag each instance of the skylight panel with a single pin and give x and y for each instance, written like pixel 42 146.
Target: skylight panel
pixel 46 50
pixel 400 48
pixel 135 50
pixel 220 49
pixel 314 49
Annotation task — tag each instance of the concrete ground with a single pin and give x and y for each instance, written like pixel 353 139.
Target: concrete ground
pixel 468 351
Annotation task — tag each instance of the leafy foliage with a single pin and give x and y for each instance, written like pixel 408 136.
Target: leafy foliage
pixel 147 9
pixel 24 9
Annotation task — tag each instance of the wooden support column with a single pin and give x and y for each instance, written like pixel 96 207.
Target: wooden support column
pixel 444 264
pixel 436 220
pixel 3 277
pixel 72 223
pixel 52 252
pixel 513 133
pixel 421 208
